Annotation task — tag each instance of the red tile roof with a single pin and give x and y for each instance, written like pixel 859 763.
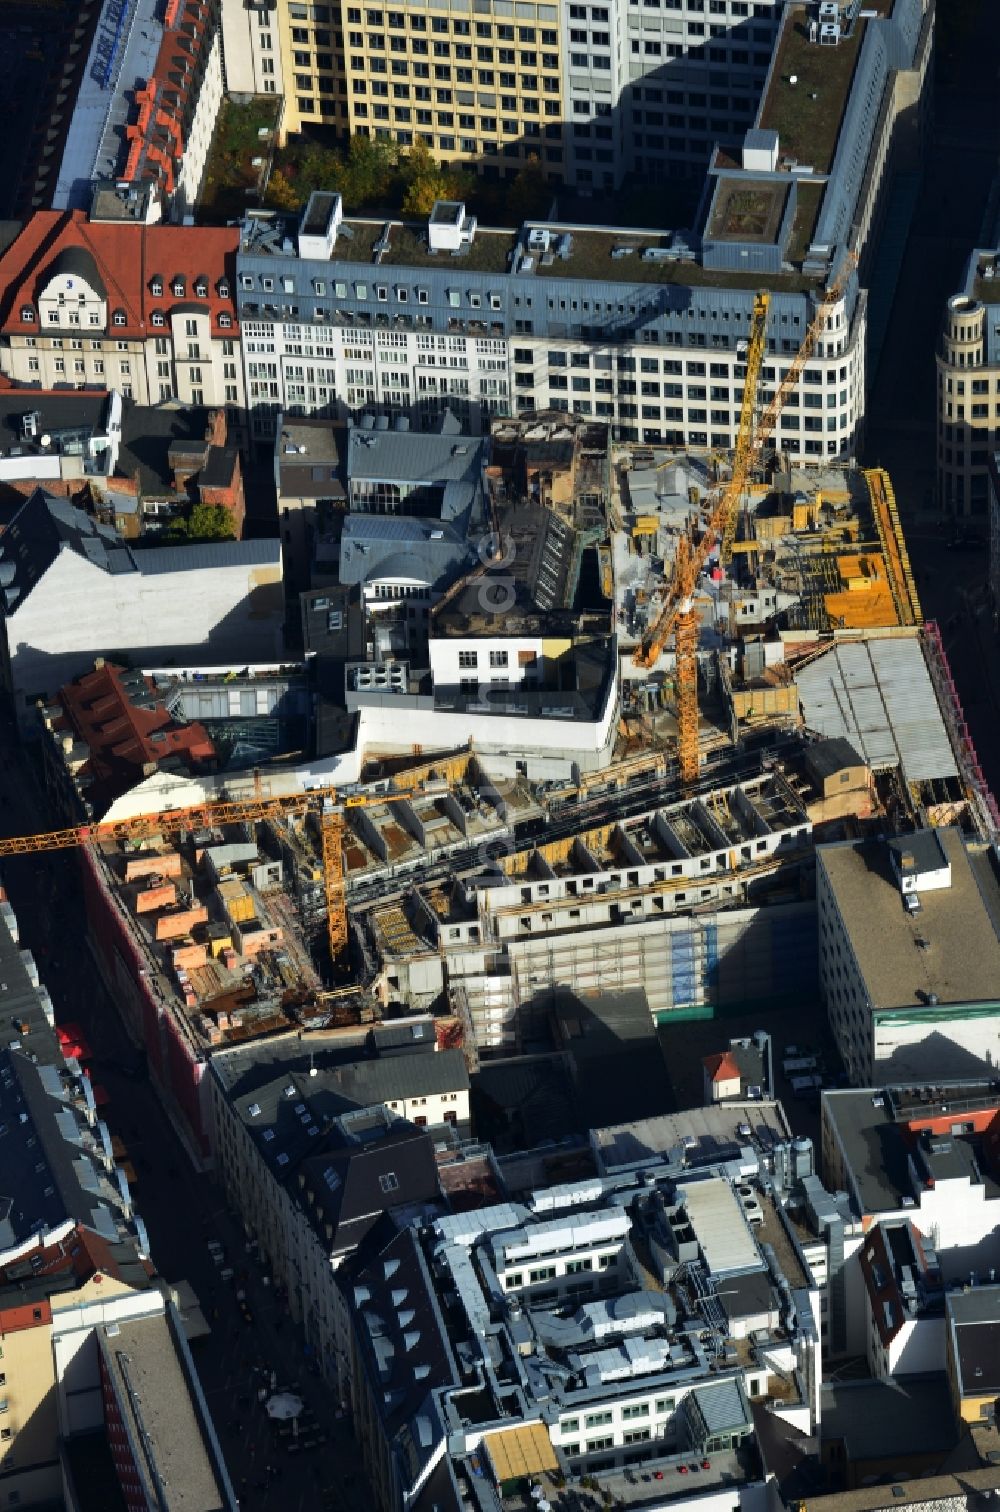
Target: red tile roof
pixel 156 137
pixel 124 736
pixel 126 257
pixel 721 1067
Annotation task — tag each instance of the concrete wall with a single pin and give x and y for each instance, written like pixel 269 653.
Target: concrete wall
pixel 199 137
pixel 76 611
pixel 929 1043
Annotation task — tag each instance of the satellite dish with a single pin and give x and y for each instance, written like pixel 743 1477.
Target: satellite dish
pixel 46 439
pixel 793 78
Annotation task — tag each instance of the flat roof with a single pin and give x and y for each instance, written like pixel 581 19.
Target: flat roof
pixel 704 1135
pixel 872 1130
pixel 906 958
pixel 878 694
pixel 606 256
pixel 974 1320
pixel 720 1227
pixel 878 1420
pixel 807 115
pixel 160 1407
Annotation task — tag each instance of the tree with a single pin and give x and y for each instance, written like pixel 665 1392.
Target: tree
pixel 204 522
pixel 529 194
pixel 282 194
pixel 424 181
pixel 367 172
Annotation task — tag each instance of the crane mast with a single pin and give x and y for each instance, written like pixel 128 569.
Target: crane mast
pixel 677 615
pixel 331 805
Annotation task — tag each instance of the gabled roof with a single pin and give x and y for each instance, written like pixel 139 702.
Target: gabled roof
pixel 351 1187
pixel 722 1067
pixel 32 535
pixel 115 257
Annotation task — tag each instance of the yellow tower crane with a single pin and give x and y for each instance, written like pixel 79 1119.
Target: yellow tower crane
pixel 677 614
pixel 330 804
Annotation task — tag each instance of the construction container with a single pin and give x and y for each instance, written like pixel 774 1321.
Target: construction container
pixel 251 941
pixel 189 956
pixel 220 939
pixel 236 901
pixel 164 895
pixel 174 926
pixel 153 864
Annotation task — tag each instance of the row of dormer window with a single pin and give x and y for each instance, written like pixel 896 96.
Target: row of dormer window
pixel 383 293
pixel 118 318
pixel 178 286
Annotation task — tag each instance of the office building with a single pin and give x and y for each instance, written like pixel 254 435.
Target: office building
pixel 901 1000
pixel 968 389
pixel 565 316
pixel 598 1329
pixel 147 310
pixel 593 93
pixel 315 1145
pixel 609 326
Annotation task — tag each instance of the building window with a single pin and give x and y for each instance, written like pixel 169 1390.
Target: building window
pixel 225 321
pixel 498 658
pixel 157 317
pixel 156 287
pixel 27 314
pixel 118 318
pixel 468 659
pixel 177 287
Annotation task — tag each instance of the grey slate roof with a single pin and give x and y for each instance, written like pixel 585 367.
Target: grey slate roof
pixel 207 554
pixel 291 1114
pixel 413 456
pixel 401 1335
pixel 46 1177
pixel 354 1185
pixel 377 546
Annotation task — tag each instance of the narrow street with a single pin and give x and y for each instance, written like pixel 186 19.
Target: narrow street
pixel 961 168
pixel 182 1209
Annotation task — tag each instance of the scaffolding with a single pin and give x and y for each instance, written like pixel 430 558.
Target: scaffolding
pixel 981 800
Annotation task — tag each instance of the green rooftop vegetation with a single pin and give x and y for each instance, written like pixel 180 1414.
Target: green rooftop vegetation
pixel 807 114
pixel 810 197
pixel 232 180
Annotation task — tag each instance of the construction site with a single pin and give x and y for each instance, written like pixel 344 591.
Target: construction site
pixel 769 685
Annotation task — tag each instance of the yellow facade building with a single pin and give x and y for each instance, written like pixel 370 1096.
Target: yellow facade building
pixel 480 84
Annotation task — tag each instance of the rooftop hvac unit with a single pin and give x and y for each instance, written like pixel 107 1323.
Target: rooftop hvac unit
pixel 829 34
